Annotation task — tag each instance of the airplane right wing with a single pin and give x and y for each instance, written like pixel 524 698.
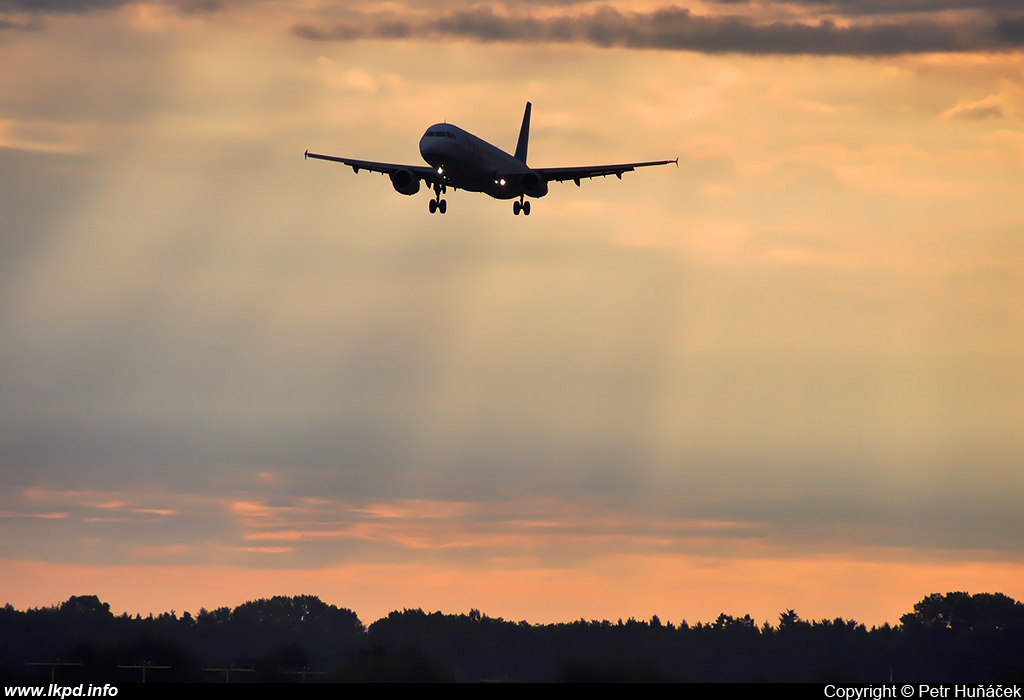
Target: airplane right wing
pixel 423 172
pixel 579 173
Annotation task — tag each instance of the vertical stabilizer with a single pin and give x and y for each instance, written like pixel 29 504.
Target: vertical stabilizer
pixel 524 135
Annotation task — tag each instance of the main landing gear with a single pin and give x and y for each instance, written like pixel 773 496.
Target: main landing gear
pixel 438 204
pixel 521 206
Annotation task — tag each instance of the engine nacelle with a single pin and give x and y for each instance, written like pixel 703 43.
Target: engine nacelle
pixel 534 185
pixel 405 182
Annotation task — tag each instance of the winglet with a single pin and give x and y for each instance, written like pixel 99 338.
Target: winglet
pixel 676 161
pixel 524 135
pixel 305 156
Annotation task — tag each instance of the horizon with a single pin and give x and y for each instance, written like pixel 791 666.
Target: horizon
pixel 483 614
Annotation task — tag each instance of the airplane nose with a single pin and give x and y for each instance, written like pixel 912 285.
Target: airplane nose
pixel 430 151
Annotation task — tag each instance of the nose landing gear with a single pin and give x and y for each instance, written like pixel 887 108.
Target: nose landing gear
pixel 521 206
pixel 437 204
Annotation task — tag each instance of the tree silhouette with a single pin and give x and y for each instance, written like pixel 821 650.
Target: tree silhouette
pixel 952 637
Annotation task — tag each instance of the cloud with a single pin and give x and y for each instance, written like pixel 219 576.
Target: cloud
pixel 989 108
pixel 807 27
pixel 337 32
pixel 16 24
pixel 676 28
pixel 177 527
pixel 55 6
pixel 871 7
pixel 36 8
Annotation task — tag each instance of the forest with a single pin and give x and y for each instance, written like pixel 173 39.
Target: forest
pixel 946 638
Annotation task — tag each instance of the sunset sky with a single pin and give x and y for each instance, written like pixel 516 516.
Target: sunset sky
pixel 787 374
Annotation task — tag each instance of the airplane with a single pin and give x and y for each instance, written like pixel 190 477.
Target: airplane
pixel 462 161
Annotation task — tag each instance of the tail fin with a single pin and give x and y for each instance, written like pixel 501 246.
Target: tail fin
pixel 524 135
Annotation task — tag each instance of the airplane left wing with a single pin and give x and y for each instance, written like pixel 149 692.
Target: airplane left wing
pixel 580 173
pixel 423 172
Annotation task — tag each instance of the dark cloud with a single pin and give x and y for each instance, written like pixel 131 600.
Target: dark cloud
pixel 881 7
pixel 676 28
pixel 1011 30
pixel 200 6
pixel 337 32
pixel 55 6
pixel 838 27
pixel 31 24
pixel 49 7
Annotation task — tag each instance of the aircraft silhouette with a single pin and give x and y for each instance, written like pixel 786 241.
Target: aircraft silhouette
pixel 460 160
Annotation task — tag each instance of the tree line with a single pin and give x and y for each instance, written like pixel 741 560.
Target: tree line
pixel 952 637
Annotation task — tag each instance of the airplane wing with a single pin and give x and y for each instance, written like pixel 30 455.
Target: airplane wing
pixel 579 173
pixel 423 172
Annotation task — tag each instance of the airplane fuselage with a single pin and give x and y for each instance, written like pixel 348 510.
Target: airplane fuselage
pixel 470 163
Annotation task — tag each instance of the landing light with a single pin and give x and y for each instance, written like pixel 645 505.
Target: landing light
pixel 502 181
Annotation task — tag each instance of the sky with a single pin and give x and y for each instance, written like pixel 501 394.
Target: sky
pixel 786 374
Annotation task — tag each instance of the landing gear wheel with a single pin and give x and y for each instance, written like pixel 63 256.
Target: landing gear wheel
pixel 438 204
pixel 516 207
pixel 526 208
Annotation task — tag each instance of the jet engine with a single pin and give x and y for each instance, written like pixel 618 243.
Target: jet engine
pixel 534 185
pixel 405 182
